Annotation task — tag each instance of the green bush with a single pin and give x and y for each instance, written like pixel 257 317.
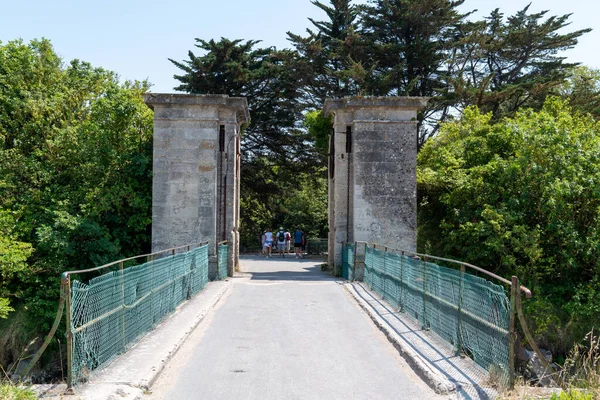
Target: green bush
pixel 521 197
pixel 75 174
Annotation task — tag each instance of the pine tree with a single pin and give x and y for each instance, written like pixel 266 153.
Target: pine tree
pixel 503 65
pixel 330 54
pixel 410 43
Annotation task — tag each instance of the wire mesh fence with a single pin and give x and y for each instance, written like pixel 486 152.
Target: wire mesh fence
pixel 109 313
pixel 468 311
pixel 317 246
pixel 348 262
pixel 222 261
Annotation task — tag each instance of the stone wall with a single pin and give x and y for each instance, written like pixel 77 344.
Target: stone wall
pixel 195 188
pixel 372 191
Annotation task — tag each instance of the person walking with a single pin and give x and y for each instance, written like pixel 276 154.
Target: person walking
pixel 268 242
pixel 281 242
pixel 263 241
pixel 298 243
pixel 288 241
pixel 304 242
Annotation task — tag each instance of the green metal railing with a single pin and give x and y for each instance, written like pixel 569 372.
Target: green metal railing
pixel 471 312
pixel 106 315
pixel 109 313
pixel 348 254
pixel 317 246
pixel 222 249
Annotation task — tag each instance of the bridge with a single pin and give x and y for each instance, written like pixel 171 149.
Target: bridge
pixel 259 328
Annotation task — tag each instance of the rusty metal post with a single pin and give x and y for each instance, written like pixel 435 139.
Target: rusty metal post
pixel 461 286
pixel 514 288
pixel 66 281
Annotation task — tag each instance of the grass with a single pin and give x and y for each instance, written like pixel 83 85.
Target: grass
pixel 573 394
pixel 10 391
pixel 581 369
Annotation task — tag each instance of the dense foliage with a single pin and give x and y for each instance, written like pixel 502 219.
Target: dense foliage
pixel 521 196
pixel 75 173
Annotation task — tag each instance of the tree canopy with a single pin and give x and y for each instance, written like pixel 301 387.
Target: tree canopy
pixel 75 172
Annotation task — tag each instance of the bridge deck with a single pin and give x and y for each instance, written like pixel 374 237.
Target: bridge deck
pixel 286 330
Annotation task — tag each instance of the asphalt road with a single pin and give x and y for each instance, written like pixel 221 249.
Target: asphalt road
pixel 285 330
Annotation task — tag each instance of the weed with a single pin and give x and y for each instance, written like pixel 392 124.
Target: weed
pixel 9 391
pixel 572 394
pixel 582 367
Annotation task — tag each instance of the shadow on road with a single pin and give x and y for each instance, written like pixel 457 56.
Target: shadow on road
pixel 309 273
pixel 467 387
pixel 284 269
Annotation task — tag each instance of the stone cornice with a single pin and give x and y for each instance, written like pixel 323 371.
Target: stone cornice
pixel 238 104
pixel 354 102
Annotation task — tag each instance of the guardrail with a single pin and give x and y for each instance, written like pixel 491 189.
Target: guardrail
pixel 471 312
pixel 317 246
pixel 111 311
pixel 222 249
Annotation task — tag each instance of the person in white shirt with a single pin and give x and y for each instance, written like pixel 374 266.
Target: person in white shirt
pixel 268 242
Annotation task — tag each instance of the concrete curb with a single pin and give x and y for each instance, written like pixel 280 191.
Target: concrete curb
pixel 438 382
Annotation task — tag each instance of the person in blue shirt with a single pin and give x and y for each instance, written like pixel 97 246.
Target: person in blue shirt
pixel 298 235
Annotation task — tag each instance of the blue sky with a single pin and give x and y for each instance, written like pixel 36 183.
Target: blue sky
pixel 135 38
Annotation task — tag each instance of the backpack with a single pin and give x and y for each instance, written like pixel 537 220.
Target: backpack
pixel 281 236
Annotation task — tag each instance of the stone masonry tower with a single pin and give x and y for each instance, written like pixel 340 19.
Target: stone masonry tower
pixel 372 172
pixel 196 167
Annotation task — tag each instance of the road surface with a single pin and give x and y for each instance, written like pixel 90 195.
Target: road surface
pixel 285 330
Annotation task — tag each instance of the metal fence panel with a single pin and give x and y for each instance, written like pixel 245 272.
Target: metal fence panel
pixel 348 261
pixel 317 246
pixel 110 312
pixel 222 261
pixel 470 312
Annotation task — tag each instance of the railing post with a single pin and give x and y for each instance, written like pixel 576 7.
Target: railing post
pixel 461 285
pixel 423 261
pixel 354 260
pixel 400 300
pixel 514 288
pixel 190 276
pixel 385 273
pixel 122 305
pixel 66 281
pixel 150 259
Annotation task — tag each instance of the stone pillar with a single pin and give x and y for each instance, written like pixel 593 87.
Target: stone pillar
pixel 372 191
pixel 195 188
